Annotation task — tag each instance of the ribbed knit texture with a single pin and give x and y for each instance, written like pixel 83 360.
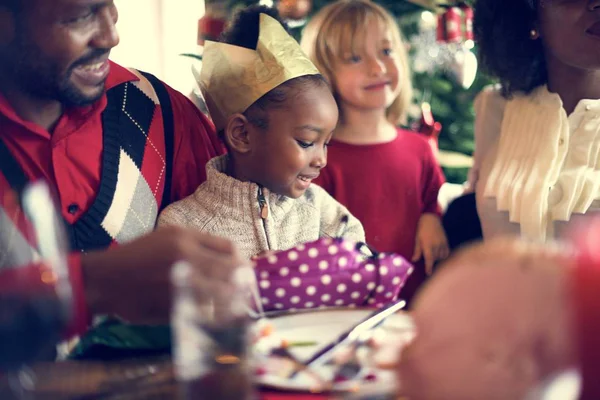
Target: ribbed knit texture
pixel 229 208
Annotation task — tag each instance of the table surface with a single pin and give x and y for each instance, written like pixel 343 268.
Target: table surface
pixel 150 379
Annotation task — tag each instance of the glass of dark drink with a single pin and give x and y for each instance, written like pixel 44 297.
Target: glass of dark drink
pixel 210 338
pixel 35 292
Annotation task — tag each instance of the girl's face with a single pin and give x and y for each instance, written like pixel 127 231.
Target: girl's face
pixel 367 75
pixel 570 32
pixel 291 152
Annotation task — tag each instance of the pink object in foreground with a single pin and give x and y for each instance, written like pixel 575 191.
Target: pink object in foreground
pixel 328 273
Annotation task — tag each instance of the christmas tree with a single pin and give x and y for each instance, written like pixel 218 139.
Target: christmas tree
pixel 436 70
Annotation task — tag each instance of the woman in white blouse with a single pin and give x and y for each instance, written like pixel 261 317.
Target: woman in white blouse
pixel 537 134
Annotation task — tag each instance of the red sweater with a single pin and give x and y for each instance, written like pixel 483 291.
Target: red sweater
pixel 71 158
pixel 387 186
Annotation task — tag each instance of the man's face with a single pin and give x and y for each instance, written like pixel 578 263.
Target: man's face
pixel 60 48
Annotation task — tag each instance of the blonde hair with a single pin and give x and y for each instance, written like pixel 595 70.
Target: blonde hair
pixel 334 28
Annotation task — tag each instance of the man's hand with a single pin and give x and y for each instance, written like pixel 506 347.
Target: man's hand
pixel 430 242
pixel 132 281
pixel 491 324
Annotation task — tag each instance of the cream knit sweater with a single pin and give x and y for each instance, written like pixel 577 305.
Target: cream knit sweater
pixel 536 168
pixel 226 207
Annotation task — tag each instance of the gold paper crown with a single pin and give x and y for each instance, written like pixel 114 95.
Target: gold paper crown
pixel 233 77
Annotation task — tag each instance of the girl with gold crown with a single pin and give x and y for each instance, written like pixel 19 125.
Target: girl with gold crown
pixel 276 115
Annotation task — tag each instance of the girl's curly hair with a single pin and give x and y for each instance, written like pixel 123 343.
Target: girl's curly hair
pixel 502 31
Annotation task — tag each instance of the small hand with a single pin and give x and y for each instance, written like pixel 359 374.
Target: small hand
pixel 430 242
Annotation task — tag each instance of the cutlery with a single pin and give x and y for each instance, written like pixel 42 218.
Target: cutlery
pixel 354 333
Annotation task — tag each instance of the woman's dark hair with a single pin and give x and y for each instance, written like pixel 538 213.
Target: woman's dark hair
pixel 243 31
pixel 506 51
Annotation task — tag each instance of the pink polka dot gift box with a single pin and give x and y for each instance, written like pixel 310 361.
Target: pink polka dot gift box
pixel 329 273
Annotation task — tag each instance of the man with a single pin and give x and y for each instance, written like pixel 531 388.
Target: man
pixel 104 138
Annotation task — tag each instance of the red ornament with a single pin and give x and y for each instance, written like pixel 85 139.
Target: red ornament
pixel 429 127
pixel 455 25
pixel 468 22
pixel 294 9
pixel 210 28
pixel 450 26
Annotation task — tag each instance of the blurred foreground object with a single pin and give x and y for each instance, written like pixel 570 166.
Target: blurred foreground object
pixel 494 323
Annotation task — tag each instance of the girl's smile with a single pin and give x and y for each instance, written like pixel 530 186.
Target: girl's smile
pixel 378 86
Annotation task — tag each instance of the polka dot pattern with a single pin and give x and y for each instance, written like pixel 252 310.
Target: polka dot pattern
pixel 329 273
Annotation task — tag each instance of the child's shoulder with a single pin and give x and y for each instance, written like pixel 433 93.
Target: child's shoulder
pixel 489 101
pixel 176 212
pixel 183 211
pixel 412 141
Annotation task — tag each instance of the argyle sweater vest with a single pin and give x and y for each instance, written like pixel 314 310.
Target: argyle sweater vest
pixel 135 176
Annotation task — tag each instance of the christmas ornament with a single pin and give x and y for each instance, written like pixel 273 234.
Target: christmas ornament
pixel 455 25
pixel 430 54
pixel 429 127
pixel 446 46
pixel 294 9
pixel 210 28
pixel 467 22
pixel 450 26
pixel 464 67
pixel 212 24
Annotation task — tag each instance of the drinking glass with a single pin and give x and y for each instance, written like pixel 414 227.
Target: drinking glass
pixel 35 292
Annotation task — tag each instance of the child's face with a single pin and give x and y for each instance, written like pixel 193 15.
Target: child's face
pixel 291 152
pixel 367 76
pixel 570 31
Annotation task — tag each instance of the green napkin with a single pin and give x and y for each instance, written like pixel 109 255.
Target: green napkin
pixel 113 339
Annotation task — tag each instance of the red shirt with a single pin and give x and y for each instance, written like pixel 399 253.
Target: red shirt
pixel 69 157
pixel 387 186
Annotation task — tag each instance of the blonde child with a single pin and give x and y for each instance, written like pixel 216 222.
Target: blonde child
pixel 276 114
pixel 386 176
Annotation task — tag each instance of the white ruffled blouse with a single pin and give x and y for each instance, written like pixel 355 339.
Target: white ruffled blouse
pixel 535 169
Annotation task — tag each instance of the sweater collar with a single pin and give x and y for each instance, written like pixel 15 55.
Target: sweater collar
pixel 235 194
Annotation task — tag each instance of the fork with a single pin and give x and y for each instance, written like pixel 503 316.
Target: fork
pixel 351 367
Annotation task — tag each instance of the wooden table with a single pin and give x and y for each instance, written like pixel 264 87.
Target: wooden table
pixel 147 379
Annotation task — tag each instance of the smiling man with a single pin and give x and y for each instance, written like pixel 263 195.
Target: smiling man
pixel 104 138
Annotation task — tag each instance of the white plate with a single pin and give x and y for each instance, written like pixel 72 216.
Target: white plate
pixel 322 327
